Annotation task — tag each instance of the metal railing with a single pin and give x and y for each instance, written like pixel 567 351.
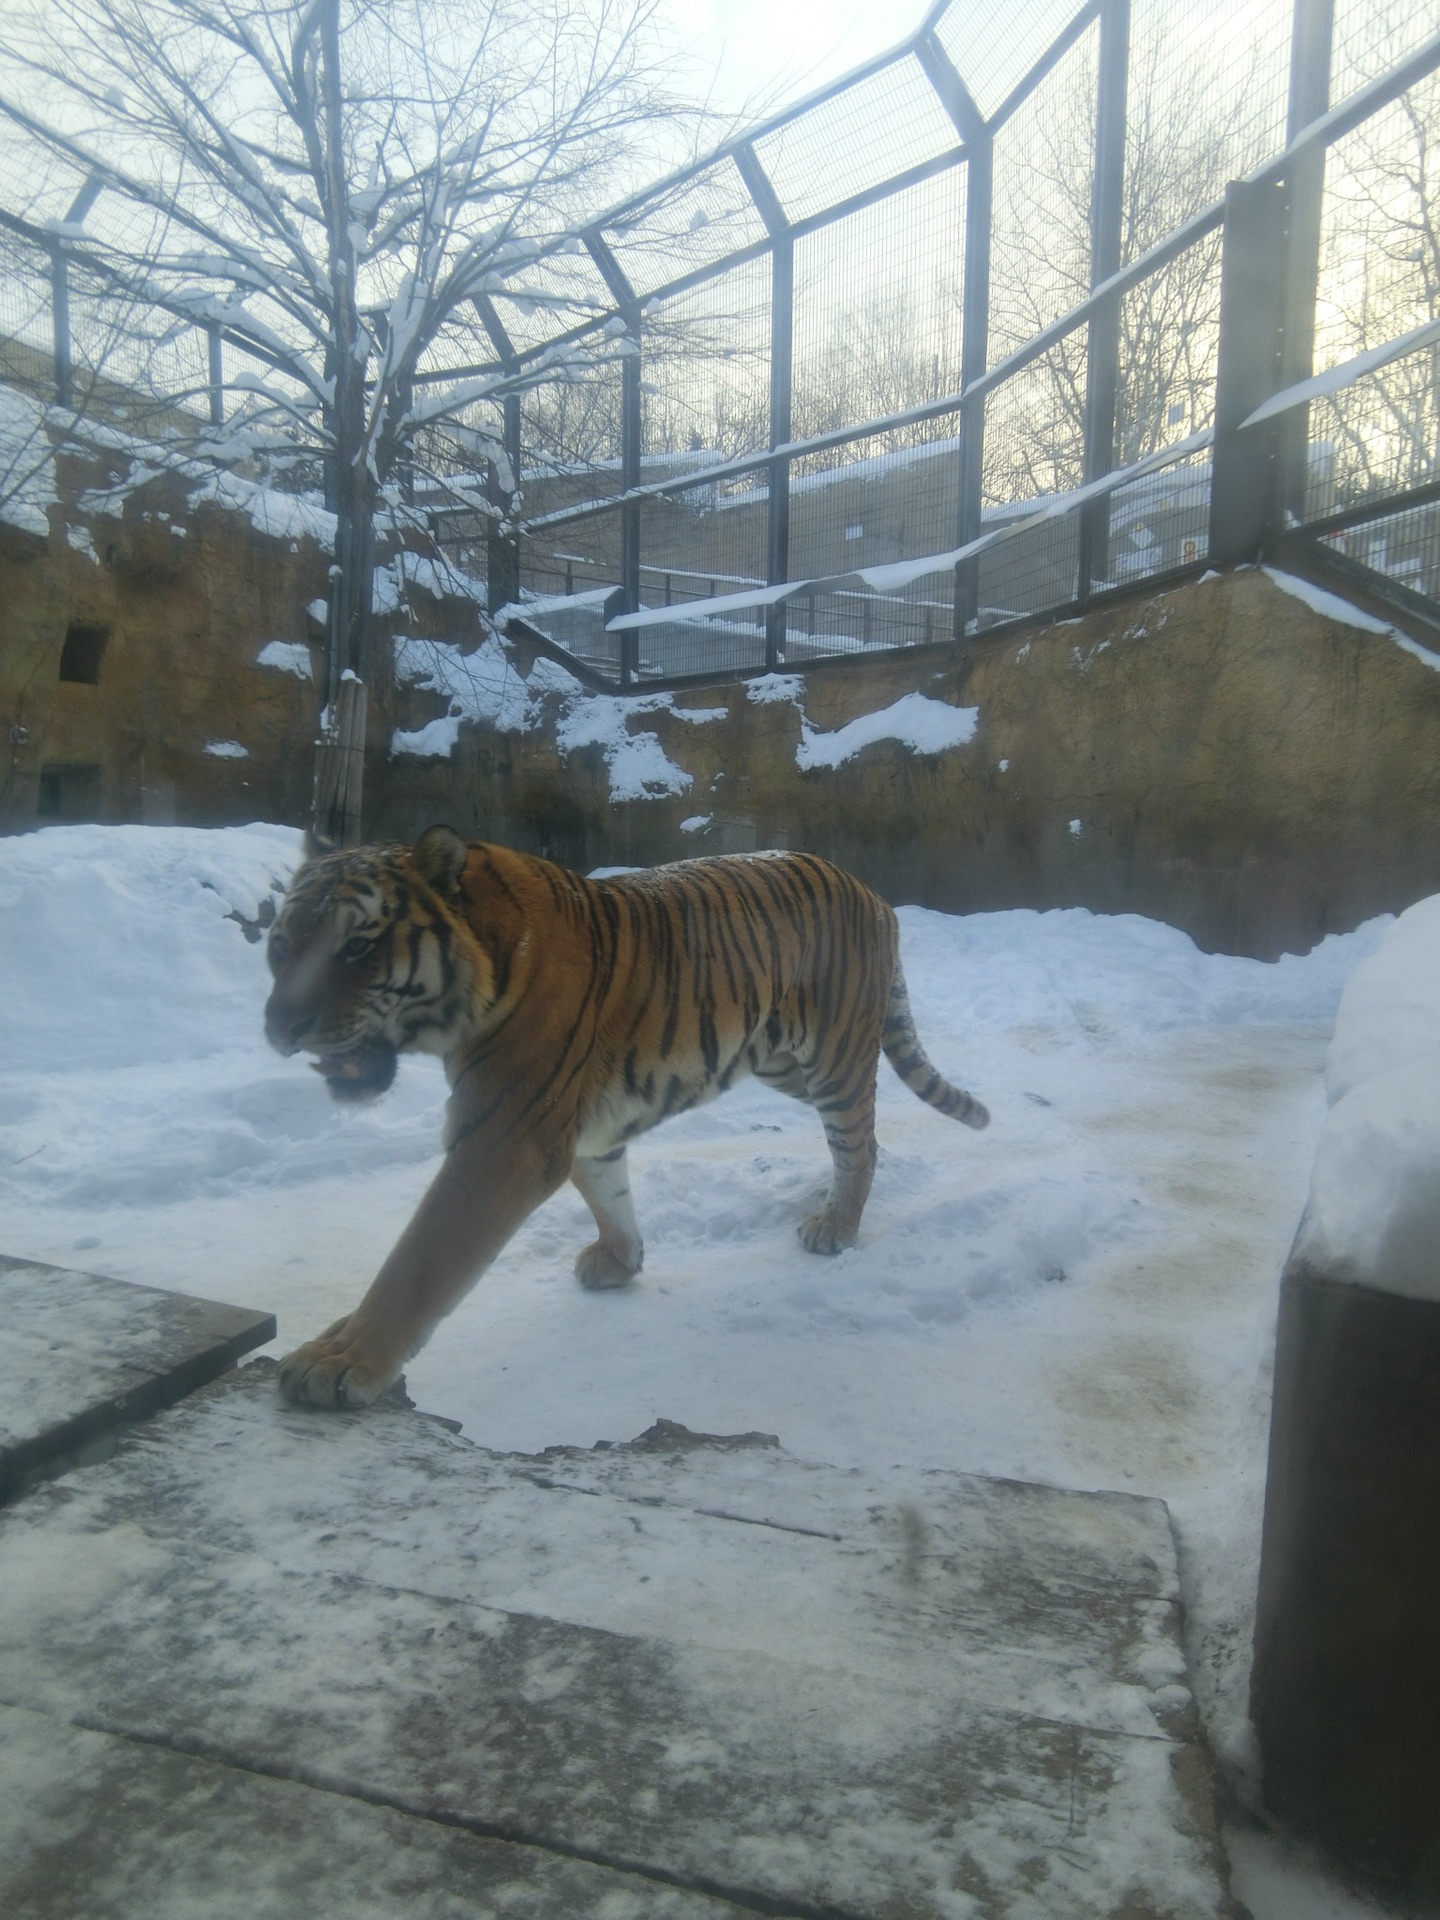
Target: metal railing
pixel 1084 261
pixel 1005 301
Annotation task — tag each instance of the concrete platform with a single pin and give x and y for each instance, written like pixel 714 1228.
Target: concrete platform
pixel 84 1356
pixel 262 1657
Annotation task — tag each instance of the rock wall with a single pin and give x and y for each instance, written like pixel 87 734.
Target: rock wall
pixel 1257 767
pixel 1254 761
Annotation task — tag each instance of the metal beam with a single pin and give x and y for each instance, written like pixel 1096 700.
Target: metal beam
pixel 974 350
pixel 952 91
pixel 782 332
pixel 1310 51
pixel 727 263
pixel 630 433
pixel 761 190
pixel 1246 496
pixel 85 199
pixel 1052 56
pixel 1102 354
pixel 215 370
pixel 60 326
pixel 610 269
pixel 495 331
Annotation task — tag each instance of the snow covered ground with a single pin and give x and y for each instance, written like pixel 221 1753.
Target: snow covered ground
pixel 1083 1295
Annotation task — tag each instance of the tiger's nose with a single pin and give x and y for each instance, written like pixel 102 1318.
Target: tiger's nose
pixel 284 1028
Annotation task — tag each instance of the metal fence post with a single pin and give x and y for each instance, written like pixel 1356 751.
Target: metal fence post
pixel 1310 52
pixel 630 435
pixel 502 550
pixel 60 321
pixel 1102 350
pixel 631 426
pixel 782 387
pixel 215 372
pixel 1245 482
pixel 970 124
pixel 974 352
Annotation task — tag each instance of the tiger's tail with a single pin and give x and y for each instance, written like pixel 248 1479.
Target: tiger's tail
pixel 909 1059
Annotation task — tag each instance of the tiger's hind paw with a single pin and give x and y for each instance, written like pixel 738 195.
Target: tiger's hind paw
pixel 597 1267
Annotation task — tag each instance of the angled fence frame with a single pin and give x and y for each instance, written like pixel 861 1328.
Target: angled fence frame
pixel 1268 225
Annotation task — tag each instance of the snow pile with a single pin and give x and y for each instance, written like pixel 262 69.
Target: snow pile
pixel 1374 1213
pixel 130 1027
pixel 287 656
pixel 407 571
pixel 921 724
pixel 485 686
pixel 640 768
pixel 925 726
pixel 27 463
pixel 115 946
pixel 480 686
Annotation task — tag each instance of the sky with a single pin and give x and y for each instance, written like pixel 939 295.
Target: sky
pixel 754 52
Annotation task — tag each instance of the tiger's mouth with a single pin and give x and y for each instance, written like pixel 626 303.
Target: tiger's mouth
pixel 360 1073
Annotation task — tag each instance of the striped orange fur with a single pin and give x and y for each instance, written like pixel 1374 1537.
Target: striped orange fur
pixel 572 1015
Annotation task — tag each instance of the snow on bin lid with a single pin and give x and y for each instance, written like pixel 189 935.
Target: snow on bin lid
pixel 1374 1211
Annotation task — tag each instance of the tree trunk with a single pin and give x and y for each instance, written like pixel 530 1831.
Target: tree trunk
pixel 340 767
pixel 340 750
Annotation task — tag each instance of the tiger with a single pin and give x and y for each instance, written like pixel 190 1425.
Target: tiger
pixel 573 1015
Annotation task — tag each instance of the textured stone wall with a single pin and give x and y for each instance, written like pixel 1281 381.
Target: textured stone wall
pixel 1223 756
pixel 185 600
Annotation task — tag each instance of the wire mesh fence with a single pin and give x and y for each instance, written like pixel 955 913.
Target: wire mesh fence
pixel 901 319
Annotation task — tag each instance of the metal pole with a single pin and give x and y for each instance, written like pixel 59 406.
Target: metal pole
pixel 782 340
pixel 630 436
pixel 782 343
pixel 974 348
pixel 215 369
pixel 1245 490
pixel 1310 52
pixel 60 318
pixel 626 300
pixel 1102 353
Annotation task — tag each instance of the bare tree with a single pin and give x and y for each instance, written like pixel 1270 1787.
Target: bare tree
pixel 341 181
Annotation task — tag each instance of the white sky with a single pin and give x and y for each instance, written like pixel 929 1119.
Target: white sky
pixel 763 52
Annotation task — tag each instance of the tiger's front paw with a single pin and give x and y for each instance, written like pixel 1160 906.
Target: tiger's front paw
pixel 596 1266
pixel 335 1371
pixel 824 1232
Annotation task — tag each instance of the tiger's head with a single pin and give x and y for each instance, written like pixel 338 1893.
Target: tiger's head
pixel 368 959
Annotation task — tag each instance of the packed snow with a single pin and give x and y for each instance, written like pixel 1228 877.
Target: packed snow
pixel 1083 1295
pixel 1374 1212
pixel 287 656
pixel 923 725
pixel 485 686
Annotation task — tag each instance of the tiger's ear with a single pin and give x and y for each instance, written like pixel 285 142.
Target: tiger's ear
pixel 440 855
pixel 314 846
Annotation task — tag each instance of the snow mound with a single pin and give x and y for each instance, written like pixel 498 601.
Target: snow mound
pixel 115 945
pixel 1374 1211
pixel 131 1027
pixel 923 725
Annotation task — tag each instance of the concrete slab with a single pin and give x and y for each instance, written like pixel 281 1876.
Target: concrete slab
pixel 95 1827
pixel 84 1356
pixel 720 1669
